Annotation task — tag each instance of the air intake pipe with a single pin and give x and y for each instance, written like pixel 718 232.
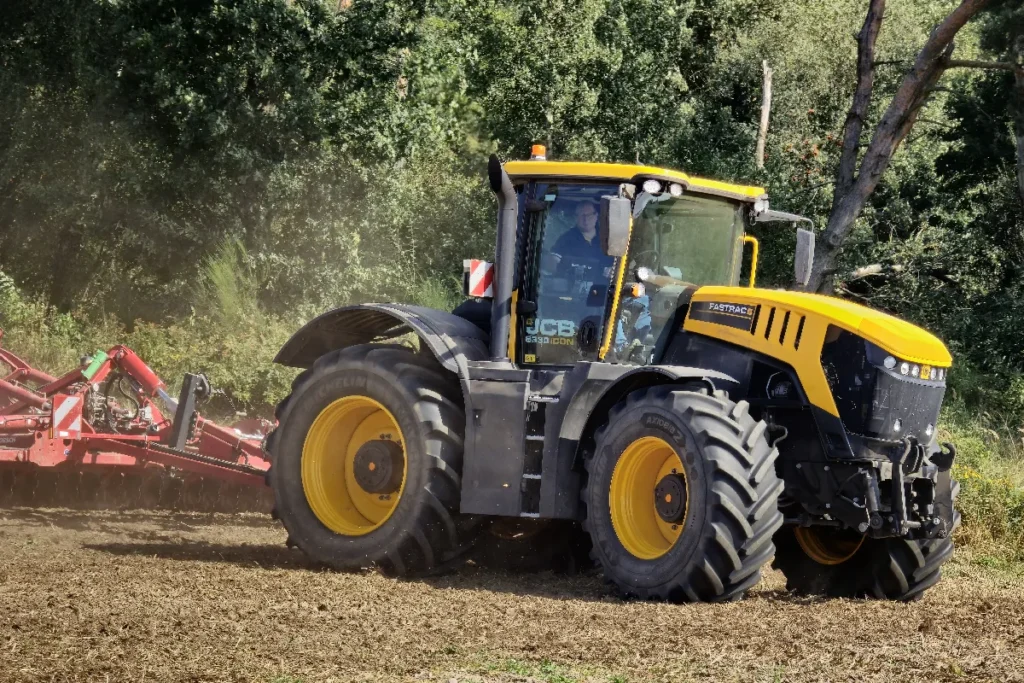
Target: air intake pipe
pixel 504 258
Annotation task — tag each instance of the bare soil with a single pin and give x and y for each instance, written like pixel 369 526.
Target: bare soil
pixel 106 596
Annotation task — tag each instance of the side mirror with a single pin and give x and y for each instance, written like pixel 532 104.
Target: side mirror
pixel 804 256
pixel 614 225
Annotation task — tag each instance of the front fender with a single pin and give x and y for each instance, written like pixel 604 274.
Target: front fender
pixel 597 394
pixel 594 388
pixel 453 340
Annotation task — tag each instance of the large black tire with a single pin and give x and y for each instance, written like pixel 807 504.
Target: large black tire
pixel 881 568
pixel 733 490
pixel 424 533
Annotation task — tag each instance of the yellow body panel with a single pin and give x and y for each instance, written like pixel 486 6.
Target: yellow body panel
pixel 624 172
pixel 750 239
pixel 512 326
pixel 815 312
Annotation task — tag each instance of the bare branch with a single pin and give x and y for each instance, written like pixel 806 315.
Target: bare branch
pixel 1018 114
pixel 975 64
pixel 875 269
pixel 766 108
pixel 940 124
pixel 866 40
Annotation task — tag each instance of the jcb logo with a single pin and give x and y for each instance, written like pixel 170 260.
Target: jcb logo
pixel 547 327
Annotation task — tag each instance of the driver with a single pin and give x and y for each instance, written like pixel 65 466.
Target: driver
pixel 580 243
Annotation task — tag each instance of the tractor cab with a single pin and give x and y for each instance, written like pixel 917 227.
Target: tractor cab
pixel 576 297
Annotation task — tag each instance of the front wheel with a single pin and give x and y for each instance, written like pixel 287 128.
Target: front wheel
pixel 841 563
pixel 681 499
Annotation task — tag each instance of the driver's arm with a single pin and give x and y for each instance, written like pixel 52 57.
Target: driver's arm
pixel 551 260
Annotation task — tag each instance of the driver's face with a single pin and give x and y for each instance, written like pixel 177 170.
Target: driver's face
pixel 586 217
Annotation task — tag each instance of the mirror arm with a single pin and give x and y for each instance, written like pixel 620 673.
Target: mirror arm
pixel 773 216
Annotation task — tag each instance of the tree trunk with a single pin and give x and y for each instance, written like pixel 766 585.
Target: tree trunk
pixel 899 117
pixel 855 118
pixel 1019 134
pixel 1018 115
pixel 766 110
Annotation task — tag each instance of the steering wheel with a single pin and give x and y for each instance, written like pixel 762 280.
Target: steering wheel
pixel 654 261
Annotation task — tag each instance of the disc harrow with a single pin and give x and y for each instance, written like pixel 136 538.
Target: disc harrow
pixel 107 435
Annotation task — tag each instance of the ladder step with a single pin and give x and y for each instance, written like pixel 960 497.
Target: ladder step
pixel 531 476
pixel 531 515
pixel 538 398
pixel 534 437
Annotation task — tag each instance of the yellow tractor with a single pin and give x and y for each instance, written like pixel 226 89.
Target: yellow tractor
pixel 611 372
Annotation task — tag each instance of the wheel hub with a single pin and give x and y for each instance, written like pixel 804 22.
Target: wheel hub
pixel 670 498
pixel 379 466
pixel 638 507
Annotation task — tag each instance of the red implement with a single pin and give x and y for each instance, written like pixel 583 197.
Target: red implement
pixel 106 416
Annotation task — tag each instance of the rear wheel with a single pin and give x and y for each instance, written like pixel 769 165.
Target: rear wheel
pixel 681 498
pixel 366 462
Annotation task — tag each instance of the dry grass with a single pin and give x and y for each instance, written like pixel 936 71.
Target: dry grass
pixel 158 596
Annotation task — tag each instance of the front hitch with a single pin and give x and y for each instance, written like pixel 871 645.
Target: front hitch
pixel 943 459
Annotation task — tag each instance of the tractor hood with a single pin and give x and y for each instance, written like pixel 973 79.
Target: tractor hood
pixel 900 338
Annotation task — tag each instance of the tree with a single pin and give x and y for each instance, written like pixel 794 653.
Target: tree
pixel 855 181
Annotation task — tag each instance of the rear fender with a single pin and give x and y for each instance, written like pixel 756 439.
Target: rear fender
pixel 453 340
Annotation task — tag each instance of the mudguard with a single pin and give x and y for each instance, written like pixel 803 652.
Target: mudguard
pixel 591 390
pixel 453 340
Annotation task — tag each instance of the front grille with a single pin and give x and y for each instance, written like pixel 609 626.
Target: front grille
pixel 870 398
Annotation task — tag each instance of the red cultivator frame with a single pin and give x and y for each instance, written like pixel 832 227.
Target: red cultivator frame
pixel 103 418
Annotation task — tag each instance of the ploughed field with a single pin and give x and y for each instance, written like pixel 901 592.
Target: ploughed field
pixel 157 596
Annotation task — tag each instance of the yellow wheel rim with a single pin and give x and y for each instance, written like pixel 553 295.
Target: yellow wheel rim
pixel 639 527
pixel 828 546
pixel 328 465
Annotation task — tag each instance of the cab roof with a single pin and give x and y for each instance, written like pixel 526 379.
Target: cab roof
pixel 519 170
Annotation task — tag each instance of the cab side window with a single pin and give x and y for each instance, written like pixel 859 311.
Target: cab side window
pixel 570 275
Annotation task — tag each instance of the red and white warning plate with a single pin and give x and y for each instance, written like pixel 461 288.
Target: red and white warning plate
pixel 67 417
pixel 480 280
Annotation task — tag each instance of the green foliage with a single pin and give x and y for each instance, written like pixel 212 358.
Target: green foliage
pixel 229 289
pixel 197 179
pixel 990 455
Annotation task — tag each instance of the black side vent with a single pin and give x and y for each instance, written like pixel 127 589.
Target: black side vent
pixel 799 332
pixel 757 316
pixel 768 327
pixel 785 324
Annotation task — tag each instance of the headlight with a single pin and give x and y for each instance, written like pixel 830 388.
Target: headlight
pixel 906 368
pixel 675 189
pixel 652 186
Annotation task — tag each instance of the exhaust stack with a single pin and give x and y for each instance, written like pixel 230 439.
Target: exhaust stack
pixel 504 258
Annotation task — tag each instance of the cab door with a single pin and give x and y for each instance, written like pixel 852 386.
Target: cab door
pixel 566 289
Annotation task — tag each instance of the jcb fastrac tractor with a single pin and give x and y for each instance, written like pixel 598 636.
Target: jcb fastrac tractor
pixel 620 378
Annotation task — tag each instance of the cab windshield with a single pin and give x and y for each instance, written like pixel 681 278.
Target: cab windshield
pixel 692 239
pixel 680 241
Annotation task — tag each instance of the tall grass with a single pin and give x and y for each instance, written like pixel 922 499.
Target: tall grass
pixel 990 468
